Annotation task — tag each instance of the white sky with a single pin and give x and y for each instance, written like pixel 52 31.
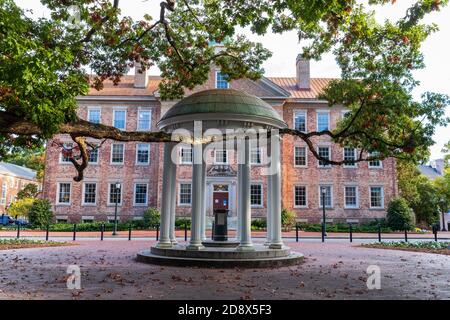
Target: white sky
pixel 435 77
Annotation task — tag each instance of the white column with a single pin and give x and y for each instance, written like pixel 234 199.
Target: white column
pixel 275 181
pixel 269 211
pixel 244 198
pixel 238 204
pixel 196 241
pixel 203 220
pixel 164 237
pixel 173 206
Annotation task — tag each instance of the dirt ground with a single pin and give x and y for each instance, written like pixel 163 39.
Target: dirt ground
pixel 330 271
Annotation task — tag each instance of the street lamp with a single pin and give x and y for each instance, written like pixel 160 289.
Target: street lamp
pixel 324 228
pixel 443 215
pixel 117 190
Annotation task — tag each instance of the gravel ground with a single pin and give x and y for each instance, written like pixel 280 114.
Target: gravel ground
pixel 330 271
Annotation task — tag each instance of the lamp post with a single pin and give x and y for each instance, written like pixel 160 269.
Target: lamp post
pixel 324 228
pixel 443 215
pixel 117 189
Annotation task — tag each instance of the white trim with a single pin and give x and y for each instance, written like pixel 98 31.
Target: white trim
pixel 148 160
pixel 357 197
pixel 306 196
pixel 58 186
pixel 260 157
pixel 375 167
pixel 114 117
pixel 98 157
pixel 181 162
pixel 262 195
pixel 60 160
pixel 349 166
pixel 179 195
pixel 317 118
pixel 83 195
pixel 227 156
pixel 301 111
pixel 111 155
pixel 134 195
pixel 228 83
pixel 331 195
pixel 89 109
pixel 329 157
pixel 119 204
pixel 142 109
pixel 306 157
pixel 382 197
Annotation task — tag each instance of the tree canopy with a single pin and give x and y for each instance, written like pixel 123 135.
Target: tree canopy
pixel 43 65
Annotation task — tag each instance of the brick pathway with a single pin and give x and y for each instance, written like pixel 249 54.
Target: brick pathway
pixel 330 271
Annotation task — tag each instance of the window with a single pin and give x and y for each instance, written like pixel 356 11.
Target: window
pixel 300 157
pixel 221 157
pixel 186 155
pixel 349 157
pixel 117 150
pixel 375 163
pixel 255 156
pixel 345 114
pixel 114 194
pixel 351 197
pixel 89 193
pixel 328 196
pixel 376 197
pixel 142 153
pixel 256 195
pixel 300 196
pixel 66 153
pixel 119 117
pixel 185 194
pixel 140 194
pixel 323 120
pixel 93 155
pixel 144 120
pixel 300 120
pixel 63 193
pixel 4 190
pixel 324 152
pixel 94 115
pixel 221 81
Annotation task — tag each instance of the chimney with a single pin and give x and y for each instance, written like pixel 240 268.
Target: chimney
pixel 303 73
pixel 140 78
pixel 439 165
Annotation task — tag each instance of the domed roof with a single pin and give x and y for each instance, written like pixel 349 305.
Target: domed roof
pixel 224 102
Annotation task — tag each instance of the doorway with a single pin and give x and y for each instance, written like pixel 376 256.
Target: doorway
pixel 221 197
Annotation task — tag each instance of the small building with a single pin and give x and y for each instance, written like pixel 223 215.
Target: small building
pixel 12 179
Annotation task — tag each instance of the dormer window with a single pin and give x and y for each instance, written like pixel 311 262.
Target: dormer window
pixel 221 81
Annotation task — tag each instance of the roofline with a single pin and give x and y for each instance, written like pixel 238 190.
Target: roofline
pixel 275 87
pixel 9 174
pixel 116 98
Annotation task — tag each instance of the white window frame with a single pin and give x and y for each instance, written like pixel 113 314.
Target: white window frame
pixel 375 167
pixel 4 193
pixel 227 156
pixel 331 196
pixel 61 154
pixel 108 203
pixel 134 195
pixel 261 205
pixel 305 113
pixel 150 119
pixel 98 156
pixel 306 157
pixel 111 155
pixel 179 195
pixel 182 162
pixel 306 196
pixel 355 165
pixel 216 86
pixel 99 109
pixel 124 109
pixel 329 157
pixel 83 197
pixel 260 156
pixel 137 149
pixel 357 196
pixel 382 197
pixel 317 119
pixel 58 189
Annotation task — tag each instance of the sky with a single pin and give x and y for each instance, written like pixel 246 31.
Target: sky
pixel 435 77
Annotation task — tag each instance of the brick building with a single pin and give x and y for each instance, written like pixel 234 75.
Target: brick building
pixel 356 193
pixel 12 179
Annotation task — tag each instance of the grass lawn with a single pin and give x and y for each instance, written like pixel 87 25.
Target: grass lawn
pixel 420 246
pixel 7 244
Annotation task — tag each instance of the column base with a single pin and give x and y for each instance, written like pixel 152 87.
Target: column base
pixel 275 246
pixel 245 247
pixel 164 245
pixel 195 247
pixel 174 241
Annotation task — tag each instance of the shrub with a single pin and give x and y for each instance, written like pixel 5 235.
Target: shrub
pixel 259 224
pixel 151 217
pixel 21 207
pixel 287 219
pixel 180 222
pixel 29 191
pixel 40 214
pixel 400 215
